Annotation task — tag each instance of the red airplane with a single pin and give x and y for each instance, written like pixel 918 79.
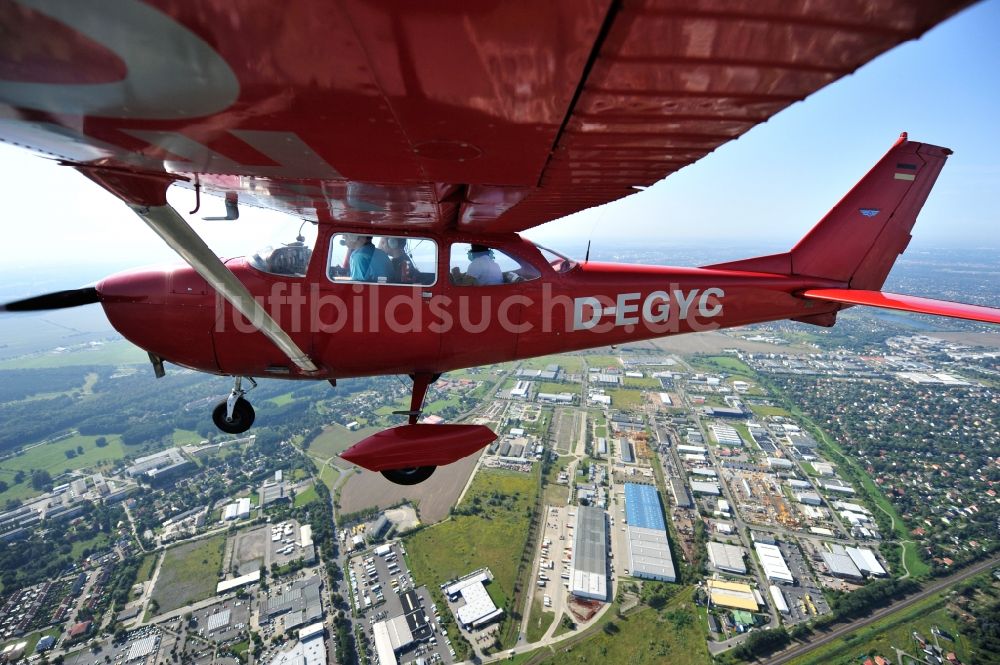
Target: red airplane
pixel 421 140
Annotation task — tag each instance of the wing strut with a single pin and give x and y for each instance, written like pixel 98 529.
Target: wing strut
pixel 146 195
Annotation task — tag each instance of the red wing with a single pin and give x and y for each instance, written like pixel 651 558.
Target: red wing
pixel 487 117
pixel 955 310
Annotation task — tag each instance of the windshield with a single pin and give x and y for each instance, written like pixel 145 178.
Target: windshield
pixel 290 259
pixel 559 262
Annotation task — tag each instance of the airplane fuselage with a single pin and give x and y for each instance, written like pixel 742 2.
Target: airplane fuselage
pixel 360 329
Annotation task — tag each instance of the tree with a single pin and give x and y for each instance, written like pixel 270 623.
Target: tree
pixel 41 480
pixel 3 486
pixel 79 450
pixel 70 453
pixel 100 442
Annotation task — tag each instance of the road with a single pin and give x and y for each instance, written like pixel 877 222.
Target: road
pixel 818 641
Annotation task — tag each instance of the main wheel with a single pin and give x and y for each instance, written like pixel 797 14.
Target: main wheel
pixel 411 476
pixel 241 421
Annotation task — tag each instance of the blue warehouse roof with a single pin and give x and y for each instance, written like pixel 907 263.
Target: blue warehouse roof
pixel 642 507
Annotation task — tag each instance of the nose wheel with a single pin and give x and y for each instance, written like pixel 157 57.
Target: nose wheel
pixel 410 476
pixel 234 415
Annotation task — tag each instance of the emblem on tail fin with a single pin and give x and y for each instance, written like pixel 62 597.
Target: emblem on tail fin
pixel 869 212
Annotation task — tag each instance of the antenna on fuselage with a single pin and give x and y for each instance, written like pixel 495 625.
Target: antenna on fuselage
pixel 586 257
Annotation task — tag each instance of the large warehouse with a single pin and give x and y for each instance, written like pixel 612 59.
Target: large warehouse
pixel 727 558
pixel 840 563
pixel 775 568
pixel 649 551
pixel 590 554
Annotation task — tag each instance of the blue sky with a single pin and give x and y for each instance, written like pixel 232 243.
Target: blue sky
pixel 765 189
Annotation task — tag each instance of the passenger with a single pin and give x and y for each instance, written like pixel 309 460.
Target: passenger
pixel 367 263
pixel 483 268
pixel 403 270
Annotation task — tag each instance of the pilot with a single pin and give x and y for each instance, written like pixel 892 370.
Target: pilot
pixel 483 268
pixel 367 263
pixel 403 270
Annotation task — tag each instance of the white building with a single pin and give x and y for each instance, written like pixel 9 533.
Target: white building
pixel 773 562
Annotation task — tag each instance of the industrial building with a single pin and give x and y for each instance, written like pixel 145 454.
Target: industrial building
pixel 300 604
pixel 625 451
pixel 556 398
pixel 160 466
pixel 779 599
pixel 727 558
pixel 273 492
pixel 779 463
pixel 866 561
pixel 697 450
pixel 681 497
pixel 773 562
pixel 809 498
pixel 726 435
pixel 649 549
pixel 310 649
pixel 602 446
pixel 235 583
pixel 590 555
pixel 840 564
pixel 735 595
pixel 479 609
pixel 702 487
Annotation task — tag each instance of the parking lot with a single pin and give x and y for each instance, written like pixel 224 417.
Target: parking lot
pixel 223 622
pixel 147 641
pixel 378 597
pixel 801 599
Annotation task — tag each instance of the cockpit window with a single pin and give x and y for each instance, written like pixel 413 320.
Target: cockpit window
pixel 401 260
pixel 481 265
pixel 558 262
pixel 290 259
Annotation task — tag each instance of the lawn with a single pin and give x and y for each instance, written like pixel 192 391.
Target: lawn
pixel 145 570
pixel 189 573
pixel 601 431
pixel 329 477
pixel 603 361
pixel 549 387
pixel 119 352
pixel 673 635
pixel 51 457
pixel 539 621
pixel 494 537
pixel 32 639
pixel 306 497
pixel 567 363
pixel 892 631
pixel 625 399
pixel 335 439
pixel 184 437
pixel 809 469
pixel 646 383
pixel 764 411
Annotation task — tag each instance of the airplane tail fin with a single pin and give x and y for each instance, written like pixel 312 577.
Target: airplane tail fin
pixel 858 241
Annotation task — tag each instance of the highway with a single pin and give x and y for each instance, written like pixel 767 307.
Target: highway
pixel 825 638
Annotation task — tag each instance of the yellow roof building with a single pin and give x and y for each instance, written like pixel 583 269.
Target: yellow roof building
pixel 732 594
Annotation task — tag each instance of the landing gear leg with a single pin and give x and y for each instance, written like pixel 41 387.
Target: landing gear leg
pixel 234 415
pixel 418 474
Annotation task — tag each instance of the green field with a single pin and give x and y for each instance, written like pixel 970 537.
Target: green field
pixel 625 399
pixel 893 631
pixel 329 477
pixel 764 411
pixel 184 437
pixel 32 639
pixel 603 361
pixel 119 352
pixel 306 497
pixel 493 537
pixel 567 363
pixel 539 621
pixel 646 383
pixel 283 399
pixel 145 571
pixel 550 387
pixel 335 439
pixel 673 635
pixel 809 469
pixel 52 456
pixel 189 573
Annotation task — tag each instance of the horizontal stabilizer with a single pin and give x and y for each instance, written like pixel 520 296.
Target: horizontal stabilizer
pixel 955 310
